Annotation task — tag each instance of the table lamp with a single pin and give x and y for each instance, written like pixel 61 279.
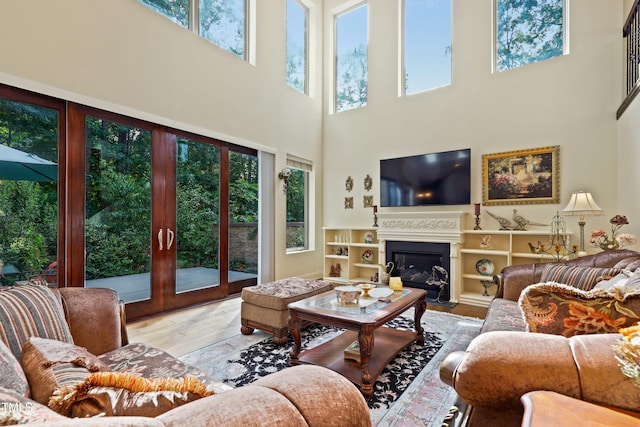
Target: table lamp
pixel 582 204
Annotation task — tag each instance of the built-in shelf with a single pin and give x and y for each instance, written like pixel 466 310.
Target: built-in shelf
pixel 355 241
pixel 505 247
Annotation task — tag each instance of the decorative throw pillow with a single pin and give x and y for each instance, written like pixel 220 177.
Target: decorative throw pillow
pixel 30 311
pixel 617 281
pixel 559 309
pixel 18 409
pixel 116 393
pixel 583 278
pixel 50 364
pixel 11 373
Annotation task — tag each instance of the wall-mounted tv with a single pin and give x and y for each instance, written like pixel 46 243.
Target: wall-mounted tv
pixel 427 179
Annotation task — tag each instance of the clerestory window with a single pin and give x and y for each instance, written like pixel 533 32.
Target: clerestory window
pixel 351 53
pixel 426 45
pixel 297 45
pixel 528 31
pixel 222 22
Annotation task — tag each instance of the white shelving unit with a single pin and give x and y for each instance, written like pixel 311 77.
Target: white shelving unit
pixel 506 247
pixel 352 266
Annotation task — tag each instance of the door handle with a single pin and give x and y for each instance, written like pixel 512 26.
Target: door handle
pixel 160 239
pixel 170 237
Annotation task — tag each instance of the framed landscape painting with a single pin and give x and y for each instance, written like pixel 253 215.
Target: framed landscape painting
pixel 521 177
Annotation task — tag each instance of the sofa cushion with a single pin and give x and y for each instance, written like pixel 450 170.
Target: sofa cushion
pixel 555 308
pixel 583 278
pixel 11 373
pixel 18 409
pixel 150 362
pixel 30 311
pixel 503 315
pixel 50 364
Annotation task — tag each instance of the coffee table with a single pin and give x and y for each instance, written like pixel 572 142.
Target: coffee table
pixel 363 323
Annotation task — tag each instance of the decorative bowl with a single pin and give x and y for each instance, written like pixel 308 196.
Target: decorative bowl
pixel 485 267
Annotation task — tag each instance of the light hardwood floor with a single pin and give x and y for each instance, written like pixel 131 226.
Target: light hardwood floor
pixel 184 331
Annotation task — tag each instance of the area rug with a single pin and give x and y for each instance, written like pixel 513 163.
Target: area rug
pixel 407 393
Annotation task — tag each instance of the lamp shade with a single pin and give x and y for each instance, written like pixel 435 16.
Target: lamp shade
pixel 582 204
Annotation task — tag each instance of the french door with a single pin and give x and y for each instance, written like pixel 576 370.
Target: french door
pixel 156 215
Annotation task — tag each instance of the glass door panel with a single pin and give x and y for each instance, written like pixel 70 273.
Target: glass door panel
pixel 197 216
pixel 243 217
pixel 28 192
pixel 118 209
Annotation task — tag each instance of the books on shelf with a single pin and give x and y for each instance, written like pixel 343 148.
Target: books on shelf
pixel 352 352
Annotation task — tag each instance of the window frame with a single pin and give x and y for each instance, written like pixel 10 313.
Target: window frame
pixel 305 166
pixel 494 47
pixel 194 26
pixel 336 13
pixel 402 39
pixel 306 9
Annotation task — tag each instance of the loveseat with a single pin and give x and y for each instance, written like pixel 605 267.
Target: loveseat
pixel 49 335
pixel 508 360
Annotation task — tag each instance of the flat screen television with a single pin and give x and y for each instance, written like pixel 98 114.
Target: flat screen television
pixel 428 179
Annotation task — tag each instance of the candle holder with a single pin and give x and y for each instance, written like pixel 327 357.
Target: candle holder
pixel 375 215
pixel 477 213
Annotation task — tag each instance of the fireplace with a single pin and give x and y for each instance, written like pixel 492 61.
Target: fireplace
pixel 414 262
pixel 431 239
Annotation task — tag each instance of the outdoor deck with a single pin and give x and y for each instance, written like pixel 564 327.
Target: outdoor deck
pixel 136 287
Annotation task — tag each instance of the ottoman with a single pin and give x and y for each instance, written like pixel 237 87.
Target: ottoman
pixel 265 306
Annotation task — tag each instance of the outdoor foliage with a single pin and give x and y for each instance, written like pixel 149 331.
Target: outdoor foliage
pixel 296 197
pixel 118 197
pixel 528 31
pixel 28 210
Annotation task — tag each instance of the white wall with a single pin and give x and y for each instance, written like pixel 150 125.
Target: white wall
pixel 568 101
pixel 124 57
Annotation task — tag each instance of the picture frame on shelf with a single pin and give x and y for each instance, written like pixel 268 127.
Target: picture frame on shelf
pixel 521 177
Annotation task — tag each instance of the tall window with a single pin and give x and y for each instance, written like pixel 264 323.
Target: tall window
pixel 528 31
pixel 222 22
pixel 298 204
pixel 297 24
pixel 426 45
pixel 28 191
pixel 351 35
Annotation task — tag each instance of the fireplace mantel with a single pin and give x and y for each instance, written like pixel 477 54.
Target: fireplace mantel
pixel 421 226
pixel 437 227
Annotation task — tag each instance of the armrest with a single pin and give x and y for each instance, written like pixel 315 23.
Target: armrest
pixel 499 367
pixel 546 408
pixel 302 395
pixel 94 317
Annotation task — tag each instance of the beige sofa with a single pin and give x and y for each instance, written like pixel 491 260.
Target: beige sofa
pixel 297 396
pixel 505 361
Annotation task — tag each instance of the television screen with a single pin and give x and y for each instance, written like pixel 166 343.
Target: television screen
pixel 427 179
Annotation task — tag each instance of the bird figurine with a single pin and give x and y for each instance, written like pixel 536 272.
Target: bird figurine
pixel 505 224
pixel 522 222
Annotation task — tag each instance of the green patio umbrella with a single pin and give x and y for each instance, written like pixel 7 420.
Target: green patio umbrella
pixel 17 165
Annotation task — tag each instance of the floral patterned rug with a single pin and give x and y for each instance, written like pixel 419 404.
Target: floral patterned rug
pixel 408 392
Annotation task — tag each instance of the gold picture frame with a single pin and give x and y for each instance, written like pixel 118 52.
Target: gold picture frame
pixel 367 201
pixel 521 177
